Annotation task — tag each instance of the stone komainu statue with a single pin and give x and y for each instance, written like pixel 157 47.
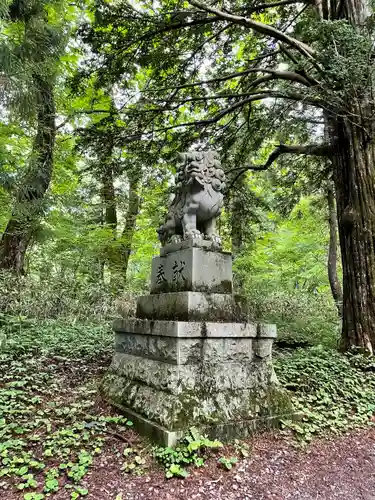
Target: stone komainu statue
pixel 200 182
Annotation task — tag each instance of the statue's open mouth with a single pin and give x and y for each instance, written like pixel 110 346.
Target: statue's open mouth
pixel 197 177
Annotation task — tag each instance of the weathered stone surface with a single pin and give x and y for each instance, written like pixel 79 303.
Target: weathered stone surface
pixel 227 431
pixel 188 306
pixel 262 348
pixel 146 427
pixel 183 351
pixel 224 414
pixel 200 182
pixel 192 269
pixel 170 375
pixel 189 329
pixel 184 244
pixel 201 376
pixel 226 350
pixel 153 373
pixel 164 349
pixel 190 358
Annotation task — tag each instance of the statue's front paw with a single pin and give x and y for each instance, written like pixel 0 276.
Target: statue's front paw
pixel 194 234
pixel 176 238
pixel 216 240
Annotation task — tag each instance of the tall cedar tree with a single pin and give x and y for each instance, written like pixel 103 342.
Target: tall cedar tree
pixel 36 55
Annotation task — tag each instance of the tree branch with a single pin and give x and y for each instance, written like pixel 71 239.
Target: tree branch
pixel 262 28
pixel 209 121
pixel 206 20
pixel 272 75
pixel 288 54
pixel 214 80
pixel 264 6
pixel 280 75
pixel 250 97
pixel 310 149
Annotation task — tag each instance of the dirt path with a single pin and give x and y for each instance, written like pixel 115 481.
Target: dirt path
pixel 343 469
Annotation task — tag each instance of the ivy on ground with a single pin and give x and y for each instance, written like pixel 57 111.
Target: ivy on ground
pixel 51 428
pixel 333 392
pixel 194 449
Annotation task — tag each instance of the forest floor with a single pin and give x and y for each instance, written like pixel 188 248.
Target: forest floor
pixel 59 440
pixel 327 470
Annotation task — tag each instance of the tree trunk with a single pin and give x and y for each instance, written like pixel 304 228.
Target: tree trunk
pixel 332 252
pixel 352 132
pixel 109 205
pixel 130 223
pixel 110 216
pixel 29 199
pixel 354 177
pixel 237 216
pixel 109 199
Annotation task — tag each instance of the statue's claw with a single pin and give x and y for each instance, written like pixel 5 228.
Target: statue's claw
pixel 194 234
pixel 216 240
pixel 176 238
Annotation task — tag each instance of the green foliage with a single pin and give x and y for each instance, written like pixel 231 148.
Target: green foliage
pixel 116 105
pixel 227 463
pixel 33 496
pixel 33 39
pixel 55 339
pixel 134 463
pixel 344 52
pixel 79 492
pixel 293 256
pixel 50 426
pixel 51 429
pixel 69 297
pixel 302 318
pixel 242 448
pixel 14 149
pixel 284 276
pixel 333 392
pixel 192 450
pixel 175 470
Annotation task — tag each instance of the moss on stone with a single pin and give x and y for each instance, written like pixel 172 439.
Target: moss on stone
pixel 224 409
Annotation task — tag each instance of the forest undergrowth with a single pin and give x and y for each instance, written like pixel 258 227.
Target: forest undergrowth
pixel 54 428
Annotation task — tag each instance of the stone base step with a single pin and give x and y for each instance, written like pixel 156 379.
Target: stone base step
pixel 166 418
pixel 192 306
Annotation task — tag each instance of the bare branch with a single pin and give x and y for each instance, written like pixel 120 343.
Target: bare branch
pixel 310 149
pixel 262 28
pixel 272 75
pixel 218 79
pixel 302 72
pixel 250 97
pixel 265 94
pixel 82 112
pixel 247 10
pixel 280 75
pixel 288 54
pixel 264 6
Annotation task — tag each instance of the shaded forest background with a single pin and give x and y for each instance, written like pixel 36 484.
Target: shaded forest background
pixel 97 99
pixel 87 164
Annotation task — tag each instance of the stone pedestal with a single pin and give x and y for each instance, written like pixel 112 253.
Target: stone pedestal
pixel 192 269
pixel 189 359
